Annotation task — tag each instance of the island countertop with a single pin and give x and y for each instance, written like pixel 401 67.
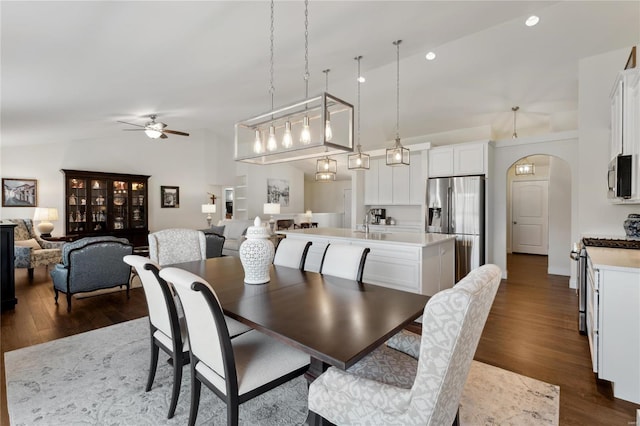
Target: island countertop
pixel 399 238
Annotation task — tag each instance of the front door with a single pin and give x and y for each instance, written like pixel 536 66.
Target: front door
pixel 530 216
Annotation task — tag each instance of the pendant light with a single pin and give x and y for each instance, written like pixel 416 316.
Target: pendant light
pixel 398 155
pixel 316 126
pixel 358 161
pixel 326 169
pixel 515 133
pixel 328 133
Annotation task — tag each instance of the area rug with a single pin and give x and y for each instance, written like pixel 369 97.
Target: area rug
pixel 98 378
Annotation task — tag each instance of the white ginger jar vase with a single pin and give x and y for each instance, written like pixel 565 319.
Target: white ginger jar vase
pixel 256 254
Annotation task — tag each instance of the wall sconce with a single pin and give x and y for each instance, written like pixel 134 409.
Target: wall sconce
pixel 525 169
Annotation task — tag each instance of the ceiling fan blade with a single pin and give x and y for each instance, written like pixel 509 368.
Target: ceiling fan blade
pixel 131 124
pixel 175 132
pixel 163 136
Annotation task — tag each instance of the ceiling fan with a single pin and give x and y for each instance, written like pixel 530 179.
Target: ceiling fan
pixel 155 129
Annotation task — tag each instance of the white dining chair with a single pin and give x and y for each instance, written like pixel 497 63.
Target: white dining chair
pixel 389 387
pixel 344 261
pixel 238 369
pixel 176 245
pixel 166 330
pixel 292 253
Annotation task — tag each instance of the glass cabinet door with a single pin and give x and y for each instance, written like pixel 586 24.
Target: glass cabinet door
pixel 138 203
pixel 98 205
pixel 77 205
pixel 119 199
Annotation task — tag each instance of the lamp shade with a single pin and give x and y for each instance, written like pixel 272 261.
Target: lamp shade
pixel 271 208
pixel 208 208
pixel 45 213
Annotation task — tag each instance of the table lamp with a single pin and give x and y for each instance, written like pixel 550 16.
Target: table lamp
pixel 45 215
pixel 271 209
pixel 208 209
pixel 308 215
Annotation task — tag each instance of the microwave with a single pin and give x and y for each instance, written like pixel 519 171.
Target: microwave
pixel 619 177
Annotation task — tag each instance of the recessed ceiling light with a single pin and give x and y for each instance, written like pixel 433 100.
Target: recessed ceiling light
pixel 430 56
pixel 532 20
pixel 361 79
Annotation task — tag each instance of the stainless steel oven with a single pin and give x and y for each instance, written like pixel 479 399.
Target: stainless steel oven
pixel 579 255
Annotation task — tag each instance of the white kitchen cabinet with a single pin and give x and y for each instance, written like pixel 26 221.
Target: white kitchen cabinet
pixel 371 184
pixel 616 118
pixel 458 160
pixel 613 318
pixel 385 182
pixel 400 185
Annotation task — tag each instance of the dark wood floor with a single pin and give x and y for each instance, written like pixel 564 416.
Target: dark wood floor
pixel 532 330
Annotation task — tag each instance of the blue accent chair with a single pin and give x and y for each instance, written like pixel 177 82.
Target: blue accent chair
pixel 90 264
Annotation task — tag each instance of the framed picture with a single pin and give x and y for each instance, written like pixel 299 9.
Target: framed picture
pixel 278 191
pixel 170 196
pixel 19 192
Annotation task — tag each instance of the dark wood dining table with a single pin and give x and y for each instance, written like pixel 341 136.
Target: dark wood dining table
pixel 336 321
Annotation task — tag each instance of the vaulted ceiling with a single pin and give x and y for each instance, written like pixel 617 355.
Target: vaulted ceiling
pixel 71 70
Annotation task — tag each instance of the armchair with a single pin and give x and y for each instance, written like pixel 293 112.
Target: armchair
pixel 92 263
pixel 32 251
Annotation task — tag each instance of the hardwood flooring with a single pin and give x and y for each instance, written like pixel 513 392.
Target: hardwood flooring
pixel 531 330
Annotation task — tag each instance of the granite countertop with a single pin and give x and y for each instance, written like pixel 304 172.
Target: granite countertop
pixel 614 257
pixel 400 238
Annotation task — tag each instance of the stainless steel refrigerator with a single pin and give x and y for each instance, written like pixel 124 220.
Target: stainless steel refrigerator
pixel 455 205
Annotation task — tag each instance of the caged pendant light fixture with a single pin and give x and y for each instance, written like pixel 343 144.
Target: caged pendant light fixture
pixel 317 126
pixel 326 170
pixel 398 155
pixel 358 161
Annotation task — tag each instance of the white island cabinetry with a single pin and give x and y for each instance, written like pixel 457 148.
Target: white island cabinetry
pixel 613 318
pixel 416 262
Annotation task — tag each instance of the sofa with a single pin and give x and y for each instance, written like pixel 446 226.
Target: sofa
pixel 90 264
pixel 32 251
pixel 233 232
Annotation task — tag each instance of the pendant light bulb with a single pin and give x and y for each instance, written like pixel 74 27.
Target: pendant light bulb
pixel 257 144
pixel 305 135
pixel 328 133
pixel 359 161
pixel 287 140
pixel 272 145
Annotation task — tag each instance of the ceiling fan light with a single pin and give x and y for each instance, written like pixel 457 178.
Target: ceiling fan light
pixel 152 133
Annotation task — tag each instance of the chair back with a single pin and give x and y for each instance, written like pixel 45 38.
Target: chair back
pixel 215 244
pixel 177 245
pixel 344 261
pixel 208 334
pixel 452 324
pixel 291 253
pixel 159 297
pixel 284 223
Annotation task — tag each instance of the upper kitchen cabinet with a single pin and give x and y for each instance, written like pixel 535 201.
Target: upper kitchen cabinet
pixel 98 203
pixel 399 185
pixel 458 160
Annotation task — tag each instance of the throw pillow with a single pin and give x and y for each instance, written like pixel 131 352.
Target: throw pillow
pixel 29 243
pixel 217 229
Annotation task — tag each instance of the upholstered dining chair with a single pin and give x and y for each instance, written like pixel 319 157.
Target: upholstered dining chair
pixel 238 369
pixel 177 245
pixel 390 387
pixel 284 224
pixel 344 261
pixel 291 253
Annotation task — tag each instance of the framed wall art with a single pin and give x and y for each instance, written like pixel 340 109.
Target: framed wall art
pixel 170 196
pixel 19 192
pixel 278 191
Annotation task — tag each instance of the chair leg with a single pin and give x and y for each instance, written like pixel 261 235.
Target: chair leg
pixel 68 302
pixel 177 381
pixel 232 413
pixel 30 271
pixel 153 364
pixel 195 398
pixel 55 290
pixel 456 420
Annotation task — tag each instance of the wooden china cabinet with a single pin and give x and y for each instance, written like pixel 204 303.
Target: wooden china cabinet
pixel 98 203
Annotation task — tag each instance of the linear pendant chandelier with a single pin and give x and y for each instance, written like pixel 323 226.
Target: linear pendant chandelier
pixel 297 131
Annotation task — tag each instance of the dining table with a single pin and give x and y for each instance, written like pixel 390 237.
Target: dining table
pixel 336 321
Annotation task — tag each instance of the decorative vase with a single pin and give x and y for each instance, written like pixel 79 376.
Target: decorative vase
pixel 632 225
pixel 256 254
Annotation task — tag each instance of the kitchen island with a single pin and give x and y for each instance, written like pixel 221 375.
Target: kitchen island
pixel 418 262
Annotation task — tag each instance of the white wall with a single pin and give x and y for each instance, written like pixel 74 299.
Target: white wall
pixel 562 145
pixel 177 161
pixel 596 214
pixel 560 189
pixel 325 197
pixel 257 176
